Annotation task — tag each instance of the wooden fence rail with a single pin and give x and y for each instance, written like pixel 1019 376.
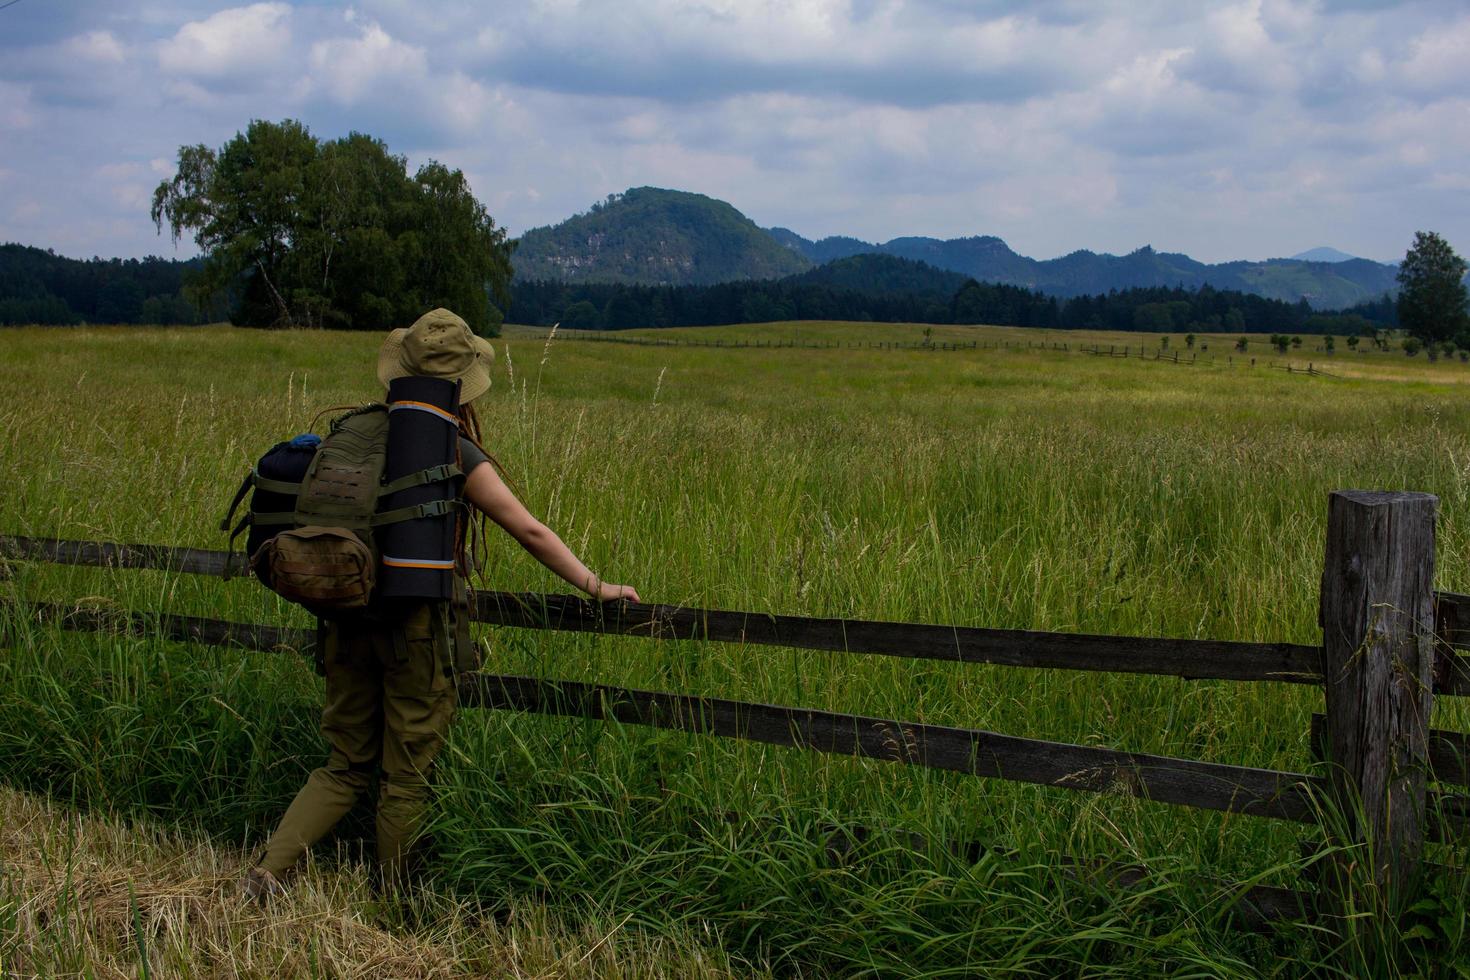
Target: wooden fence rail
pixel 1188 658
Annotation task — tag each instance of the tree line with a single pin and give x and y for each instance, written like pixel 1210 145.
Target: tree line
pixel 39 286
pixel 617 306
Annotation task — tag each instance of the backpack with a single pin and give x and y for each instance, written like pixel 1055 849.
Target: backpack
pixel 316 507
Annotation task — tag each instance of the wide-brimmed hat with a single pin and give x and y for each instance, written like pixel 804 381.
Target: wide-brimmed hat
pixel 440 345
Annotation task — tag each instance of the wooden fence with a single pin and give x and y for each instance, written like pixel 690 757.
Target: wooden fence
pixel 1390 645
pixel 792 343
pixel 795 343
pixel 1124 351
pixel 1141 352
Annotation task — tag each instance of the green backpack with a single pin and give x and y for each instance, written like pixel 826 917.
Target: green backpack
pixel 325 557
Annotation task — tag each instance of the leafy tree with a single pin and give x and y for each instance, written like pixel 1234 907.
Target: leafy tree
pixel 623 311
pixel 333 234
pixel 1280 342
pixel 1296 341
pixel 1153 317
pixel 1432 296
pixel 581 315
pixel 1329 343
pixel 1352 342
pixel 1241 343
pixel 1412 345
pixel 1189 341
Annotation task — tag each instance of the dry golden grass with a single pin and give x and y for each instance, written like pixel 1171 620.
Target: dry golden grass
pixel 94 896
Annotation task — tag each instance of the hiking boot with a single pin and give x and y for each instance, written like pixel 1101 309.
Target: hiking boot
pixel 260 886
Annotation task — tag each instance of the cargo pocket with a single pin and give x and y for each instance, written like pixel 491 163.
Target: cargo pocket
pixel 419 649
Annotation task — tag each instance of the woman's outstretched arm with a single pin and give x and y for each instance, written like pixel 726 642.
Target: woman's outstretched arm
pixel 487 491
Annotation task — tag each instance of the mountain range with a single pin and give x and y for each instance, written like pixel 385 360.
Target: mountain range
pixel 654 236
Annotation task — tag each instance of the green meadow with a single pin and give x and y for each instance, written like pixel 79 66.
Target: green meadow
pixel 1017 488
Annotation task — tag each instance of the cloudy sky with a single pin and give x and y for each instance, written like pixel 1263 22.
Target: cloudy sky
pixel 1225 130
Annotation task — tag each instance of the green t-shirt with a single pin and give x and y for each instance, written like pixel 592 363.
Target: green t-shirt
pixel 470 456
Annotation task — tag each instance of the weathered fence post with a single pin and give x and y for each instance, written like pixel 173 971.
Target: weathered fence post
pixel 1378 651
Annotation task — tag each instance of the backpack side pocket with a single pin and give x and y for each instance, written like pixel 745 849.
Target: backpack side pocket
pixel 327 569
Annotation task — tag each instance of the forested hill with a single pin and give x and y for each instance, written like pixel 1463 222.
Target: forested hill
pixel 653 236
pixel 1324 285
pixel 39 286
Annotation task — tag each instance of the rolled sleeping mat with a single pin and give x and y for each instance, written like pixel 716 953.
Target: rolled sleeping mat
pixel 423 432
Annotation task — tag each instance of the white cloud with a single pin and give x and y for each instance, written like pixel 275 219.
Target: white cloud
pixel 377 74
pixel 1439 60
pixel 16 109
pixel 348 68
pixel 238 41
pixel 1149 78
pixel 95 46
pixel 26 209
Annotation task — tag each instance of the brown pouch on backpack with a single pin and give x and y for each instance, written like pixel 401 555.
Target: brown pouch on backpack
pixel 326 569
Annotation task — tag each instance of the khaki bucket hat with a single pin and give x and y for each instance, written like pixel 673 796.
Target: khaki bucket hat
pixel 440 345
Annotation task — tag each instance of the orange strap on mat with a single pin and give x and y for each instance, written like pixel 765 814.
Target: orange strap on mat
pixel 424 407
pixel 419 563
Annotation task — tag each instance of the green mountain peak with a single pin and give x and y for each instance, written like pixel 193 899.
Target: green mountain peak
pixel 655 236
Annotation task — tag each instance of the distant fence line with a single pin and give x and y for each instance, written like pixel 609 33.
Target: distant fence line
pixel 613 337
pixel 610 337
pixel 1141 352
pixel 1384 534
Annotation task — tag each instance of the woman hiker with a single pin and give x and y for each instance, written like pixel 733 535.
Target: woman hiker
pixel 389 702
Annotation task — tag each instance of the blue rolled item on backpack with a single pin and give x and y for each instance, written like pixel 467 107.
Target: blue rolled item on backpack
pixel 285 462
pixel 423 432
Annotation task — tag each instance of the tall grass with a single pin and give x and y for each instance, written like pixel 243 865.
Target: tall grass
pixel 1011 489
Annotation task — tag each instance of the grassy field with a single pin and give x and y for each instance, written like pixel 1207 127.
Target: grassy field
pixel 1209 350
pixel 1012 488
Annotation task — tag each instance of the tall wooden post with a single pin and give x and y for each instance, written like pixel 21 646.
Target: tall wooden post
pixel 1378 658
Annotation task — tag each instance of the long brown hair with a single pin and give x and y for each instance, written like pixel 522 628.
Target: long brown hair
pixel 471 531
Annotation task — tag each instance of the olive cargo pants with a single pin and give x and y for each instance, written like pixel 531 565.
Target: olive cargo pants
pixel 388 706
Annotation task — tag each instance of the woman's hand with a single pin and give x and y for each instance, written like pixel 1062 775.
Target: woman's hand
pixel 608 592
